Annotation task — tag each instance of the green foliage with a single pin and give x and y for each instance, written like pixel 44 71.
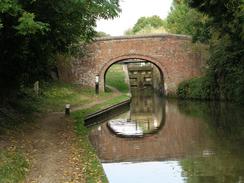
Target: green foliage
pixel 196 88
pixel 102 34
pixel 54 96
pixel 225 29
pixel 13 167
pixel 184 20
pixel 28 26
pixel 33 32
pixel 10 7
pixel 145 25
pixel 115 77
pixel 154 21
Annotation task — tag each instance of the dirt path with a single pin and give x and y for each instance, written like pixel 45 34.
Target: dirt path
pixel 53 151
pixel 52 147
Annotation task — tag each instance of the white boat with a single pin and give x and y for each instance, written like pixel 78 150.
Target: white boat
pixel 125 128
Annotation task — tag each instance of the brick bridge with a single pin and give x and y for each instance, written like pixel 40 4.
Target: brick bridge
pixel 172 54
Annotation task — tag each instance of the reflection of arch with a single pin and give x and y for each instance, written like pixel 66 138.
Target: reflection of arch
pixel 159 105
pixel 106 66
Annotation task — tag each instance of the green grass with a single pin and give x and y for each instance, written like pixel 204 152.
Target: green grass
pixel 13 167
pixel 92 168
pixel 54 96
pixel 57 95
pixel 115 77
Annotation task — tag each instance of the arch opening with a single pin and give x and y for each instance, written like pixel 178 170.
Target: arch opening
pixel 129 74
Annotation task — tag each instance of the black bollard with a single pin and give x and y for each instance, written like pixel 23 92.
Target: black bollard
pixel 67 109
pixel 97 88
pixel 97 84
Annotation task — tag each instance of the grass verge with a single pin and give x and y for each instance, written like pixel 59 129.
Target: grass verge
pixel 115 77
pixel 92 168
pixel 52 97
pixel 13 166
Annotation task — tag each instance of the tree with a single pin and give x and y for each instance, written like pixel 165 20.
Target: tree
pixel 145 25
pixel 33 32
pixel 102 34
pixel 184 20
pixel 226 54
pixel 225 73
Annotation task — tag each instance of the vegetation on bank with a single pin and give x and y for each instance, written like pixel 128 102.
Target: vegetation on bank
pixel 55 96
pixel 52 98
pixel 116 77
pixel 13 166
pixel 92 168
pixel 196 88
pixel 220 25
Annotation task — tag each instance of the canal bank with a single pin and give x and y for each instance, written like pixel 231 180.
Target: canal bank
pixel 91 166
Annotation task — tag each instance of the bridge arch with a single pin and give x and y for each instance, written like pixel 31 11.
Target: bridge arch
pixel 174 55
pixel 107 65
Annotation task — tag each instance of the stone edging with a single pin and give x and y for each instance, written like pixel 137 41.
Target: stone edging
pixel 105 114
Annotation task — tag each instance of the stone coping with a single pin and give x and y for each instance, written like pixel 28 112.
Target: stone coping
pixel 111 38
pixel 107 113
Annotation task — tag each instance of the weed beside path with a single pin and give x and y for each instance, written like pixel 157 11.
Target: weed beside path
pixel 13 166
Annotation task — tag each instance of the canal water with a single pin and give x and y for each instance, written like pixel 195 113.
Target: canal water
pixel 182 141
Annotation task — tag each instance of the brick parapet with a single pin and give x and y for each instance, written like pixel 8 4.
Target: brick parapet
pixel 172 54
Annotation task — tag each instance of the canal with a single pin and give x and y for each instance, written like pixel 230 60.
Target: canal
pixel 179 141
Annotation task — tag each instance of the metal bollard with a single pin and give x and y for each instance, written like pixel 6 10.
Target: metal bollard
pixel 67 109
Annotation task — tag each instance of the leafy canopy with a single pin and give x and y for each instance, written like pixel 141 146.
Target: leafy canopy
pixel 144 25
pixel 223 30
pixel 32 32
pixel 185 20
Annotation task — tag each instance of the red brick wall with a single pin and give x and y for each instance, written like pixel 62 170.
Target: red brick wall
pixel 173 54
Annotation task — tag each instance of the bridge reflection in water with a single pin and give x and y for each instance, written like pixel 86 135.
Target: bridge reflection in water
pixel 146 113
pixel 166 140
pixel 180 150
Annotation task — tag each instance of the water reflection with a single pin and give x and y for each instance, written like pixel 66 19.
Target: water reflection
pixel 203 140
pixel 224 162
pixel 145 116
